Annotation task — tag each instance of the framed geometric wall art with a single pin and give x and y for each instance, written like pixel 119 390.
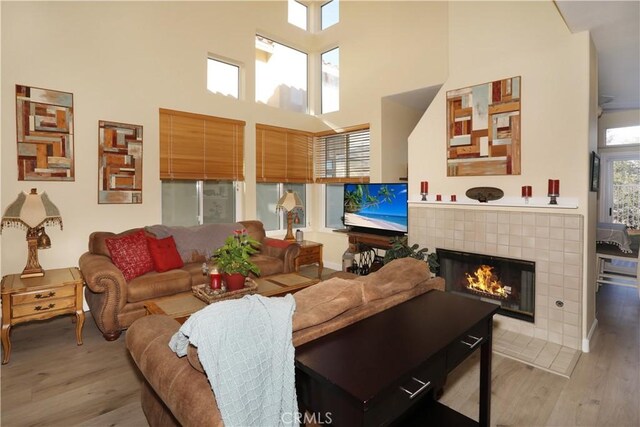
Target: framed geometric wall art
pixel 119 163
pixel 483 129
pixel 44 128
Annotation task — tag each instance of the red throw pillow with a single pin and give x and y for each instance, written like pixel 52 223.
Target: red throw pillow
pixel 130 254
pixel 164 254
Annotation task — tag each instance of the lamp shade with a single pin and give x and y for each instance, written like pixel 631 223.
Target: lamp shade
pixel 31 211
pixel 289 201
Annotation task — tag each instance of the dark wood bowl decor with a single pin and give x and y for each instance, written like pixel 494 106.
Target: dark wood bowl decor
pixel 484 194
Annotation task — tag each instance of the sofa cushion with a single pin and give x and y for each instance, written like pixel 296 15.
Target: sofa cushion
pixel 164 254
pixel 154 285
pixel 196 243
pixel 325 300
pixel 397 276
pixel 130 254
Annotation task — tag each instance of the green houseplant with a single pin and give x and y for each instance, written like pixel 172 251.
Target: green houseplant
pixel 233 259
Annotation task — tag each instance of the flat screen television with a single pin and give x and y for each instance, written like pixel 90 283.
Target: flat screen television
pixel 376 208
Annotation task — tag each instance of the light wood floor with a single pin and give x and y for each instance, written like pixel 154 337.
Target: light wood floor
pixel 52 382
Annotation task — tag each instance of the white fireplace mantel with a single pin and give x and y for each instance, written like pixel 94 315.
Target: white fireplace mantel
pixel 509 202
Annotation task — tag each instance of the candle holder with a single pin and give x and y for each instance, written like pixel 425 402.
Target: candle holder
pixel 554 191
pixel 424 190
pixel 526 193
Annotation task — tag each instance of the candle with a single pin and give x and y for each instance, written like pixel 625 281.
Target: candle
pixel 453 197
pixel 424 187
pixel 526 191
pixel 438 197
pixel 554 187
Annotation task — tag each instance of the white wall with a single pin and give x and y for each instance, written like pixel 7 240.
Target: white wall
pixel 496 40
pixel 124 60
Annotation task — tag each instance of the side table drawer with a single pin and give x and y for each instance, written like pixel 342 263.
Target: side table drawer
pixel 308 258
pixel 466 344
pixel 405 394
pixel 42 295
pixel 40 307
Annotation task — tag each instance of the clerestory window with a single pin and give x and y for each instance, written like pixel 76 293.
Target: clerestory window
pixel 281 75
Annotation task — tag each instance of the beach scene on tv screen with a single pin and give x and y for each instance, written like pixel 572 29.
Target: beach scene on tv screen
pixel 380 206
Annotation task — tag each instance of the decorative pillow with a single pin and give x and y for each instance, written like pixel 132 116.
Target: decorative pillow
pixel 325 300
pixel 130 254
pixel 164 254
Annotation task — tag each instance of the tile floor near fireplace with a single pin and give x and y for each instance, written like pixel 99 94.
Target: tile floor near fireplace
pixel 536 352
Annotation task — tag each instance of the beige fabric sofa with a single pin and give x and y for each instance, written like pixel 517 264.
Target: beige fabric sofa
pixel 116 303
pixel 174 386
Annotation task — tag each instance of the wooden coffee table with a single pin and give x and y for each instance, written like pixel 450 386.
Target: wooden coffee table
pixel 182 305
pixel 281 284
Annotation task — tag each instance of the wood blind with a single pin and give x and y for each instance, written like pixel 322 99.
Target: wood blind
pixel 342 156
pixel 283 155
pixel 200 147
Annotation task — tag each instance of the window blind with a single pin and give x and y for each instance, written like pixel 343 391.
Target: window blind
pixel 342 157
pixel 200 147
pixel 283 155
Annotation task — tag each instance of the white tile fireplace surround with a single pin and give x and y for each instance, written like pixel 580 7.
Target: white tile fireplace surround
pixel 554 241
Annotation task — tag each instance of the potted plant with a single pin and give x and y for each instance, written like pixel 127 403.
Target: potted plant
pixel 233 259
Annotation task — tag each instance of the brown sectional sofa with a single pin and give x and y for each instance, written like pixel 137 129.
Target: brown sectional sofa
pixel 177 392
pixel 115 303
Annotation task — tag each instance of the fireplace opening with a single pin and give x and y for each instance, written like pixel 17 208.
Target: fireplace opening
pixel 507 282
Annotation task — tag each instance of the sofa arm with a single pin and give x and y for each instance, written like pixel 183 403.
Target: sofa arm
pixel 183 390
pixel 282 249
pixel 106 292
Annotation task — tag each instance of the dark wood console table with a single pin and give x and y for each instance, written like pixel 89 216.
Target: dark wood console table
pixel 385 369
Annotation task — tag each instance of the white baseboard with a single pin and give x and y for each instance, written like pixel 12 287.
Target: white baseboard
pixel 586 341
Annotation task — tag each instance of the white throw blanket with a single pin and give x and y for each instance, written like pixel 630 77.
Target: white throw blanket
pixel 245 348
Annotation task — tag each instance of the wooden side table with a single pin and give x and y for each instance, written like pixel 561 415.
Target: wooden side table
pixel 58 292
pixel 310 253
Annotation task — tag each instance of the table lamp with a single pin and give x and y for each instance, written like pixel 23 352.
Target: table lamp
pixel 290 202
pixel 33 212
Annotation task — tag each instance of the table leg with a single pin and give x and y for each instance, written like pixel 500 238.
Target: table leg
pixel 79 324
pixel 320 268
pixel 485 379
pixel 6 342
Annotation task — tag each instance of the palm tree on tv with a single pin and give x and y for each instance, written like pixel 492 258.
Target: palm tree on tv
pixel 360 198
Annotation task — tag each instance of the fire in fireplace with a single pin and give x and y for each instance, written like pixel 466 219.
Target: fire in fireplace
pixel 507 282
pixel 485 283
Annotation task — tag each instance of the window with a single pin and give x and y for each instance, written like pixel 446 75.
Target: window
pixel 330 14
pixel 342 157
pixel 623 136
pixel 189 202
pixel 297 14
pixel 223 78
pixel 333 202
pixel 267 196
pixel 330 62
pixel 281 75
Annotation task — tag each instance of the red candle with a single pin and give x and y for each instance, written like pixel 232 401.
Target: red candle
pixel 438 197
pixel 215 279
pixel 554 186
pixel 453 197
pixel 424 187
pixel 526 191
